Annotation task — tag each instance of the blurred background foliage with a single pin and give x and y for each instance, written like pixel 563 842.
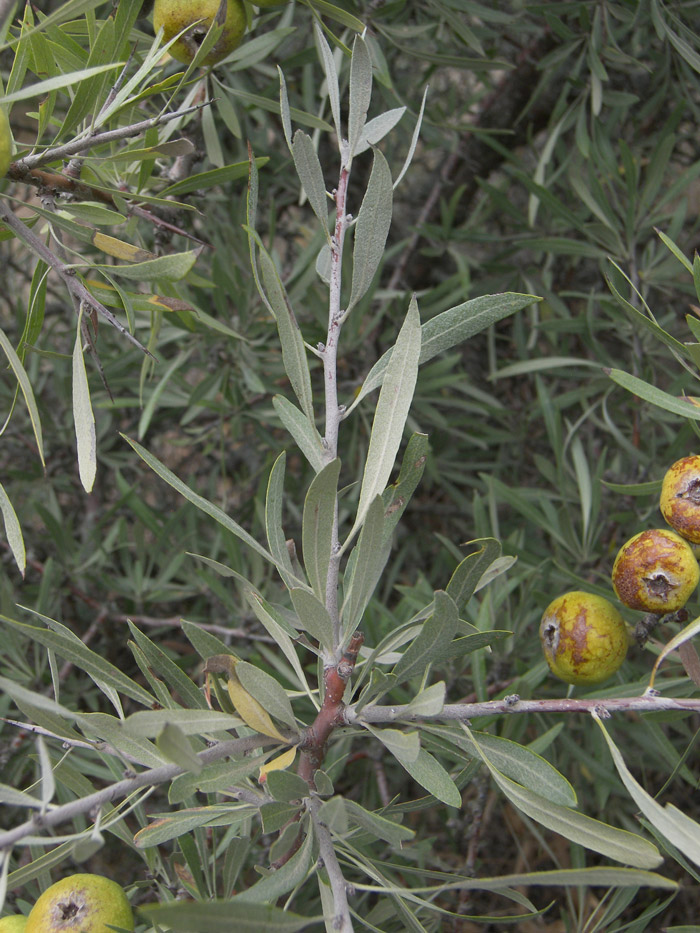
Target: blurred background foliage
pixel 558 138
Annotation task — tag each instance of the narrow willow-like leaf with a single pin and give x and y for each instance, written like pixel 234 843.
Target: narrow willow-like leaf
pixel 377 128
pixel 83 418
pixel 176 679
pixel 372 228
pixel 397 496
pixel 618 844
pixel 13 531
pixel 284 110
pixel 430 774
pixel 310 174
pixel 267 691
pixel 303 431
pixel 279 882
pixel 370 555
pixel 360 92
pixel 391 413
pixel 27 392
pixel 47 782
pixel 317 526
pixel 432 640
pixel 42 88
pixel 276 630
pixel 605 877
pixel 450 328
pixel 686 406
pixel 224 915
pixel 71 648
pixel 273 522
pixel 668 820
pixel 294 358
pixel 331 79
pixel 428 702
pixel 406 744
pixel 174 745
pixel 150 723
pixel 204 504
pixel 184 821
pixel 468 572
pixel 414 140
pixel 376 824
pixel 314 617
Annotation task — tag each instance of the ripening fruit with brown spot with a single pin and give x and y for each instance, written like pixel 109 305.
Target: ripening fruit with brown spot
pixel 680 497
pixel 81 903
pixel 176 15
pixel 584 638
pixel 655 571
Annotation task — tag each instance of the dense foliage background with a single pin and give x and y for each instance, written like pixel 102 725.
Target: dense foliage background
pixel 557 157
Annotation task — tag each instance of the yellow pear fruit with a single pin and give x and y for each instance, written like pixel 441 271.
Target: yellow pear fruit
pixel 176 15
pixel 655 571
pixel 81 904
pixel 5 150
pixel 584 638
pixel 15 924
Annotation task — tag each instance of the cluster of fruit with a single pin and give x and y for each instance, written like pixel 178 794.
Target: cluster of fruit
pixel 196 16
pixel 584 637
pixel 84 903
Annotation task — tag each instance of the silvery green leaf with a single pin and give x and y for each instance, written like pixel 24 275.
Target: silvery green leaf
pixel 618 844
pixel 317 526
pixel 150 723
pixel 267 691
pixel 224 915
pixel 469 571
pixel 314 617
pixel 414 141
pixel 323 264
pixel 673 824
pixel 450 328
pixel 310 174
pixel 172 267
pixel 83 417
pixel 360 92
pixel 294 358
pixel 284 110
pixel 433 639
pixel 278 629
pixel 174 745
pixel 371 229
pixel 397 496
pixel 405 744
pixel 376 824
pixel 25 385
pixel 430 774
pixel 274 885
pixel 215 777
pixel 331 79
pixel 392 410
pixel 276 540
pixel 204 504
pixel 428 702
pixel 369 557
pixel 47 784
pixel 303 431
pixel 377 128
pixel 13 530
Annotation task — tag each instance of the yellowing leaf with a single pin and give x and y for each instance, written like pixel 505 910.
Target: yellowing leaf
pixel 250 711
pixel 119 249
pixel 277 764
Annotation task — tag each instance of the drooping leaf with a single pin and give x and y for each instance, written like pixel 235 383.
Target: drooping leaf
pixel 83 417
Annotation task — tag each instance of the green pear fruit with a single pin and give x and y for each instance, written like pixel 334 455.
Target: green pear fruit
pixel 15 924
pixel 176 15
pixel 5 150
pixel 81 904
